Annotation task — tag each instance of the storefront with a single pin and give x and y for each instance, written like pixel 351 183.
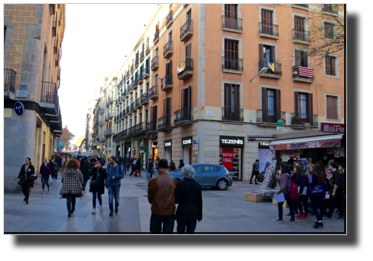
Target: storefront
pixel 307 150
pixel 168 150
pixel 231 154
pixel 187 145
pixel 265 155
pixel 143 156
pixel 155 150
pixel 127 149
pixel 118 151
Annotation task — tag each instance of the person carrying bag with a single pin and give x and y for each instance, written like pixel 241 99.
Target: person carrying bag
pixel 26 178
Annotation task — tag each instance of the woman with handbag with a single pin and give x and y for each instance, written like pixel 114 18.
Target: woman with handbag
pixel 97 185
pixel 302 183
pixel 285 186
pixel 317 189
pixel 72 181
pixel 45 172
pixel 26 179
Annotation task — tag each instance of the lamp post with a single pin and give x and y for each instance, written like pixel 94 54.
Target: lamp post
pixel 261 70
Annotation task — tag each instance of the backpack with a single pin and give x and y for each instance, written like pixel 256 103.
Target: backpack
pixel 294 194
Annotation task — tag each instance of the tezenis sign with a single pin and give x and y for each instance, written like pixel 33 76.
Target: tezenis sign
pixel 227 141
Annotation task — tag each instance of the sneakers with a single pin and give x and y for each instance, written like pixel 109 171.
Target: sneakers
pixel 94 211
pixel 291 220
pixel 116 209
pixel 304 217
pixel 299 216
pixel 111 214
pixel 277 220
pixel 318 225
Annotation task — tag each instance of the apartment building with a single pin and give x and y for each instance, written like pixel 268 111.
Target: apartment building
pixel 32 74
pixel 190 81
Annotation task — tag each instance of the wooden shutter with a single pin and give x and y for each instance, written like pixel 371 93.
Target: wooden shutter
pixel 297 58
pixel 272 50
pixel 189 15
pixel 261 55
pixel 296 109
pixel 278 103
pixel 188 51
pixel 155 115
pixel 305 59
pixel 170 70
pixel 264 104
pixel 169 113
pixel 183 98
pixel 227 97
pixel 189 104
pixel 310 104
pixel 165 107
pixel 237 97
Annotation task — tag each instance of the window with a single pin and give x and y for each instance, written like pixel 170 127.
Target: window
pixel 188 51
pixel 211 169
pixel 271 105
pixel 231 109
pixel 198 168
pixel 267 22
pixel 301 58
pixel 169 72
pixel 329 65
pixel 230 12
pixel 328 30
pixel 267 57
pixel 303 105
pixel 231 54
pixel 299 28
pixel 331 107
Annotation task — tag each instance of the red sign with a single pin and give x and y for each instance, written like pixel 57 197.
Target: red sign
pixel 332 127
pixel 228 158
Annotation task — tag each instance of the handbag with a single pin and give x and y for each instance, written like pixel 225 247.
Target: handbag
pixel 93 183
pixel 318 190
pixel 50 181
pixel 22 181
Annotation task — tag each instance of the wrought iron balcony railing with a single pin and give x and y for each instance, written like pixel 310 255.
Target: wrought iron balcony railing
pixel 49 95
pixel 144 99
pixel 303 74
pixel 272 68
pixel 183 115
pixel 234 64
pixel 151 126
pixel 269 29
pixel 153 92
pixel 301 35
pixel 269 116
pixel 169 18
pixel 232 114
pixel 167 49
pixel 164 122
pixel 154 63
pixel 156 36
pixel 329 8
pixel 186 30
pixel 232 23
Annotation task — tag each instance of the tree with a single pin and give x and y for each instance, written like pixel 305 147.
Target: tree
pixel 66 136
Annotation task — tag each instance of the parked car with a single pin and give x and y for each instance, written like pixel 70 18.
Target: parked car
pixel 208 175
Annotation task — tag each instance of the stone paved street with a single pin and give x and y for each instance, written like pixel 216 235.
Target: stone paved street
pixel 223 211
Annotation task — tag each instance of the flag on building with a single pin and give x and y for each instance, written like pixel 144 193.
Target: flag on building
pixel 271 66
pixel 305 71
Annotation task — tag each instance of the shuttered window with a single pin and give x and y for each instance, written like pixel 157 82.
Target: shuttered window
pixel 331 109
pixel 329 65
pixel 230 11
pixel 231 48
pixel 328 30
pixel 267 21
pixel 188 51
pixel 301 58
pixel 299 24
pixel 231 98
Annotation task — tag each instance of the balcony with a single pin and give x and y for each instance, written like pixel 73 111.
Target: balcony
pixel 186 69
pixel 132 68
pixel 137 129
pixel 147 73
pixel 301 6
pixel 101 123
pixel 55 121
pixel 59 74
pixel 55 45
pixel 301 37
pixel 136 84
pixel 132 107
pixel 128 75
pixel 9 83
pixel 268 118
pixel 154 63
pixel 128 109
pixel 56 61
pixel 49 97
pixel 232 114
pixel 147 49
pixel 275 72
pixel 169 19
pixel 137 60
pixel 232 65
pixel 106 118
pixel 120 135
pixel 183 116
pixel 141 78
pixel 302 120
pixel 168 49
pixel 54 25
pixel 144 99
pixel 107 104
pixel 153 92
pixel 108 132
pixel 169 84
pixel 142 56
pixel 186 30
pixel 232 24
pixel 329 9
pixel 164 123
pixel 302 74
pixel 137 103
pixel 111 100
pixel 268 30
pixel 121 115
pixel 151 127
pixel 156 37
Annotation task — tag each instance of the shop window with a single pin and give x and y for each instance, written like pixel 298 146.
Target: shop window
pixel 233 156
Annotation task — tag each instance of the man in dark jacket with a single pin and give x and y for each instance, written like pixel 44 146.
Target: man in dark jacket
pixel 84 168
pixel 112 183
pixel 336 195
pixel 255 172
pixel 189 197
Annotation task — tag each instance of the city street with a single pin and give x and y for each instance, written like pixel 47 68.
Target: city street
pixel 223 211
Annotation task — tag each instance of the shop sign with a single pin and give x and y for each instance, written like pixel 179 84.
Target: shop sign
pixel 187 142
pixel 227 141
pixel 181 67
pixel 19 108
pixel 168 143
pixel 227 158
pixel 263 144
pixel 195 143
pixel 308 145
pixel 332 127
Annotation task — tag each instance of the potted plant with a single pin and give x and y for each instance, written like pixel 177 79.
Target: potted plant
pixel 294 119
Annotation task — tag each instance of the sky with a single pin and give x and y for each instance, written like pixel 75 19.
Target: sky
pixel 97 38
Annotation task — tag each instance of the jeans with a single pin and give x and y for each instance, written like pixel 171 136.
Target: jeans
pixel 253 174
pixel 336 201
pixel 113 191
pixel 300 200
pixel 56 175
pixel 26 190
pixel 70 202
pixel 84 184
pixel 44 181
pixel 188 223
pixel 147 174
pixel 156 222
pixel 291 207
pixel 97 192
pixel 318 203
pixel 124 169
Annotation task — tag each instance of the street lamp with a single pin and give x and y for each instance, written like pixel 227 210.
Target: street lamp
pixel 261 70
pixel 147 74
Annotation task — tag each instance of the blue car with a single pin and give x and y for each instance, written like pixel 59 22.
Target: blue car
pixel 208 175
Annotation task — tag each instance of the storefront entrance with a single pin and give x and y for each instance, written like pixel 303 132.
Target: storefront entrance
pixel 143 156
pixel 187 144
pixel 231 155
pixel 168 150
pixel 155 150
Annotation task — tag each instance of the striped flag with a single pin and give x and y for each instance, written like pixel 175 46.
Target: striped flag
pixel 305 71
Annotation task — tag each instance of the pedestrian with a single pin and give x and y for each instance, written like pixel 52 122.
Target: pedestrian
pixel 124 167
pixel 133 167
pixel 97 185
pixel 310 172
pixel 294 201
pixel 63 161
pixel 92 164
pixel 189 197
pixel 84 168
pixel 318 179
pixel 255 172
pixel 181 164
pixel 54 165
pixel 128 162
pixel 341 169
pixel 25 177
pixel 150 169
pixel 138 167
pixel 147 170
pixel 112 183
pixel 285 186
pixel 72 181
pixel 161 195
pixel 45 172
pixel 327 187
pixel 172 166
pixel 59 161
pixel 336 196
pixel 302 183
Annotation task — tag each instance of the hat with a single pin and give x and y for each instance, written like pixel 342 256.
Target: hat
pixel 163 163
pixel 100 162
pixel 93 160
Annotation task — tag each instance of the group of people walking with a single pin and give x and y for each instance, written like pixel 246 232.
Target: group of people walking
pixel 315 186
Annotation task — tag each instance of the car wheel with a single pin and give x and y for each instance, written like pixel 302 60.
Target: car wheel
pixel 222 184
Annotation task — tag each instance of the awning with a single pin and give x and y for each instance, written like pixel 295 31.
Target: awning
pixel 308 143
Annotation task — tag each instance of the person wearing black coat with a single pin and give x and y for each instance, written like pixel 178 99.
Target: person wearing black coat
pixel 27 170
pixel 302 182
pixel 97 186
pixel 189 197
pixel 138 167
pixel 181 164
pixel 84 168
